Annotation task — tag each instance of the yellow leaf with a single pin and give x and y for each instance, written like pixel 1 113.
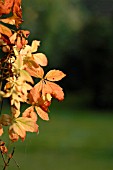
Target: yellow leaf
pixel 15 112
pixel 27 124
pixel 26 76
pixel 13 38
pixel 18 130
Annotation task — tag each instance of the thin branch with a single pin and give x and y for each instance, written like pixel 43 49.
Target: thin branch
pixel 3 158
pixel 9 158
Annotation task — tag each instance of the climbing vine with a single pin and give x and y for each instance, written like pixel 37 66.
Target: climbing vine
pixel 20 64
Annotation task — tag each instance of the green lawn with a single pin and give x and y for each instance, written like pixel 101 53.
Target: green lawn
pixel 73 139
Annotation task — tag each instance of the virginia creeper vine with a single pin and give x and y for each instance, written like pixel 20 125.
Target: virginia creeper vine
pixel 20 63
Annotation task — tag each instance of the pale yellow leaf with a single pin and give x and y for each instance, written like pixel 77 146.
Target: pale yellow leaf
pixel 13 38
pixel 27 124
pixel 26 76
pixel 18 130
pixel 35 45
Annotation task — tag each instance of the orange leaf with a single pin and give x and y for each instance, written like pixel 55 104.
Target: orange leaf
pixel 14 20
pixel 42 113
pixel 5 30
pixel 9 20
pixel 6 6
pixel 1 130
pixel 25 33
pixel 15 112
pixel 18 130
pixel 56 90
pixel 35 72
pixel 40 59
pixel 13 38
pixel 29 112
pixel 12 135
pixel 17 8
pixel 35 91
pixel 11 6
pixel 46 89
pixel 54 75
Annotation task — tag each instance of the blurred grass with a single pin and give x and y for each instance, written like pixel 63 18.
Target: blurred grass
pixel 74 138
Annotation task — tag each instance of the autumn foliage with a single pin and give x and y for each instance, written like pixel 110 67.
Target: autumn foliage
pixel 20 63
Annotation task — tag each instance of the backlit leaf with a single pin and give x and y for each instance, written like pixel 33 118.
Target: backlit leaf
pixel 35 92
pixel 27 124
pixel 6 6
pixel 5 30
pixel 40 59
pixel 54 75
pixel 26 76
pixel 35 71
pixel 9 20
pixel 56 90
pixel 18 130
pixel 35 45
pixel 41 113
pixel 1 130
pixel 29 112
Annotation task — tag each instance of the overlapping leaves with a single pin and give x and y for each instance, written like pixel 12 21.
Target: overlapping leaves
pixel 19 66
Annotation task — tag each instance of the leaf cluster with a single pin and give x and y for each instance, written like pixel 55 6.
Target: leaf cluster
pixel 19 65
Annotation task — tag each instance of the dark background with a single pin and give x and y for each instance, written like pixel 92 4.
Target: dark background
pixel 77 37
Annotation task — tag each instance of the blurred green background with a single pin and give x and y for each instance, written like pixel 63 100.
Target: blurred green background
pixel 77 37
